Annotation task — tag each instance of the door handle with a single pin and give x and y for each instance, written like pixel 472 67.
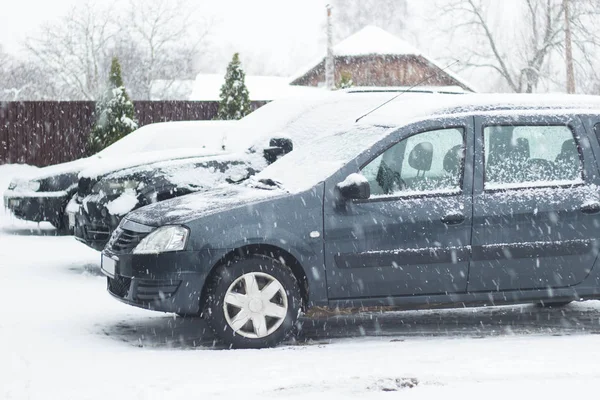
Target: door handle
pixel 590 208
pixel 453 219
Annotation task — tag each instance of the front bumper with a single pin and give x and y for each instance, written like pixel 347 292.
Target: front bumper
pixel 91 225
pixel 36 208
pixel 157 282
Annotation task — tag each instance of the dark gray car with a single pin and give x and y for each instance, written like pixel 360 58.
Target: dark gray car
pixel 440 201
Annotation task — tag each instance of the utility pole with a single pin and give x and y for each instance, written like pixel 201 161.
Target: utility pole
pixel 329 60
pixel 569 49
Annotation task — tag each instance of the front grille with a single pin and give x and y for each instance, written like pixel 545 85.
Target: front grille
pixel 124 240
pixel 119 286
pixel 155 290
pixel 96 232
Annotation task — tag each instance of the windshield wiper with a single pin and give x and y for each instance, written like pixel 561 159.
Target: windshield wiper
pixel 266 184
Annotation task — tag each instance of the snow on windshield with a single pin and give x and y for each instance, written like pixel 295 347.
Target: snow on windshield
pixel 207 135
pixel 305 119
pixel 302 169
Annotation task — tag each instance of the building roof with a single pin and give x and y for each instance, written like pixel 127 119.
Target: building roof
pixel 372 40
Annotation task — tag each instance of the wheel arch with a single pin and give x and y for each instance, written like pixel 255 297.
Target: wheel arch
pixel 267 250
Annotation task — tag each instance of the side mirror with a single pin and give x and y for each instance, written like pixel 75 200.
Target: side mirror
pixel 278 147
pixel 355 186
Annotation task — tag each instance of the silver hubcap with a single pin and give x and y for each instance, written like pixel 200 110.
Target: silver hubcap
pixel 255 305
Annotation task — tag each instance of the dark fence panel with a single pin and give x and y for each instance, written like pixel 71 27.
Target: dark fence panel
pixel 50 132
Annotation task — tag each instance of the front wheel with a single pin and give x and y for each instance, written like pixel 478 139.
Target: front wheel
pixel 253 303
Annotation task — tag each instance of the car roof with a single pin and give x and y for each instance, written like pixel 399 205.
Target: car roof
pixel 411 89
pixel 404 109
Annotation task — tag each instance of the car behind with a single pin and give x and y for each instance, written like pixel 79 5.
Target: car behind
pixel 44 195
pixel 107 193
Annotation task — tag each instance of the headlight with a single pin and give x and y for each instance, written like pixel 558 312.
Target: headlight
pixel 110 187
pixel 34 186
pixel 166 238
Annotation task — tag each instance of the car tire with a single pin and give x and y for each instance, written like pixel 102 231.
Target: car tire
pixel 253 302
pixel 556 304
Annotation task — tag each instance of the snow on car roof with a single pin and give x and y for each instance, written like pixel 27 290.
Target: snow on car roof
pixel 159 142
pixel 171 135
pixel 398 112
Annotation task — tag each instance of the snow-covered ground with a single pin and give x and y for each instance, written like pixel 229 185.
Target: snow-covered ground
pixel 63 337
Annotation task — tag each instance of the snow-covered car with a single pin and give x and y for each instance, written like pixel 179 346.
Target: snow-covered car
pixel 109 191
pixel 430 201
pixel 44 195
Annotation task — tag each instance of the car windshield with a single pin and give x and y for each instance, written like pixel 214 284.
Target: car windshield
pixel 207 135
pixel 303 168
pixel 304 120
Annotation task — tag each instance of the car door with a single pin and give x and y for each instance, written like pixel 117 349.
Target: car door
pixel 536 208
pixel 412 235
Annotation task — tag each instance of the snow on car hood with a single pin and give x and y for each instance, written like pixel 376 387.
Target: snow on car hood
pixel 71 167
pixel 107 165
pixel 193 206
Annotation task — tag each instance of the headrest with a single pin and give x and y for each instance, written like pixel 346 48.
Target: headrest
pixel 421 156
pixel 453 158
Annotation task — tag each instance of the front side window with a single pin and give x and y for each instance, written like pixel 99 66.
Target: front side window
pixel 531 156
pixel 427 162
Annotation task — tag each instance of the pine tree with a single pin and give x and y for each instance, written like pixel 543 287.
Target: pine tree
pixel 115 115
pixel 235 100
pixel 345 81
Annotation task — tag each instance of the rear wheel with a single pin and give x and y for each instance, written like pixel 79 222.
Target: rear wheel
pixel 253 303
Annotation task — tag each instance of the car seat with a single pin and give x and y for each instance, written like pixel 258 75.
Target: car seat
pixel 568 163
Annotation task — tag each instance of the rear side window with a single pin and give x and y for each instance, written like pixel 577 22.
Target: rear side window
pixel 425 163
pixel 531 156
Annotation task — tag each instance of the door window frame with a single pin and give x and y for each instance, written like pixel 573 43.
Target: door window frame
pixel 571 122
pixel 463 127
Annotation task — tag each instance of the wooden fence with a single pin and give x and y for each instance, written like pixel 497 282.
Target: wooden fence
pixel 50 132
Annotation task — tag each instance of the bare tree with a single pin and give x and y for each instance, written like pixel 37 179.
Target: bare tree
pixel 21 80
pixel 154 39
pixel 168 36
pixel 585 39
pixel 4 59
pixel 352 15
pixel 517 46
pixel 75 49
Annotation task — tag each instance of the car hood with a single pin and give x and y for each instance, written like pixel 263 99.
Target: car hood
pixel 105 166
pixel 184 209
pixel 72 167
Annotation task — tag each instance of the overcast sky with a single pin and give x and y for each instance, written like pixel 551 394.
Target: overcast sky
pixel 278 34
pixel 273 37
